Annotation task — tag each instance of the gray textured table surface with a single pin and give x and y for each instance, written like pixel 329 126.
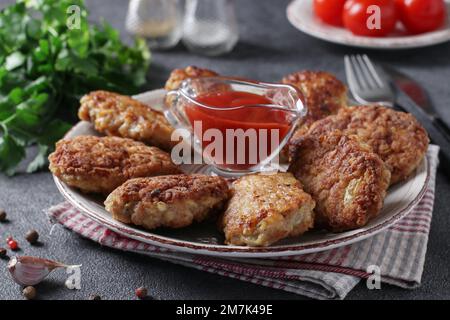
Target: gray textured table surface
pixel 269 47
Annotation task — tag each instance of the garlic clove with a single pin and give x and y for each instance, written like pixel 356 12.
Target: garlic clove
pixel 29 271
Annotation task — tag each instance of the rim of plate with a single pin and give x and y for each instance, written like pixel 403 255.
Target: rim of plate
pixel 249 252
pixel 233 251
pixel 322 31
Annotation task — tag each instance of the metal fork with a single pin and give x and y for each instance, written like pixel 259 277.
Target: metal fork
pixel 367 84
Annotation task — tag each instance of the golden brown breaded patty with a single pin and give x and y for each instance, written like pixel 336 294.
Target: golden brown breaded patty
pixel 173 201
pixel 324 93
pixel 345 178
pixel 177 76
pixel 117 115
pixel 101 164
pixel 397 137
pixel 266 208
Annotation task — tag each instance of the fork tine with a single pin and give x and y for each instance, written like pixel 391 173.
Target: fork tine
pixel 358 72
pixel 366 72
pixel 349 72
pixel 373 70
pixel 353 82
pixel 367 85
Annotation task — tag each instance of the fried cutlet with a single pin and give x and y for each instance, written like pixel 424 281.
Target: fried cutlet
pixel 177 76
pixel 101 164
pixel 117 115
pixel 397 137
pixel 345 178
pixel 324 93
pixel 173 201
pixel 266 208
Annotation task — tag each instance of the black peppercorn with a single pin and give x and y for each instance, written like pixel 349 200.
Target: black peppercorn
pixel 3 252
pixel 2 215
pixel 32 236
pixel 29 293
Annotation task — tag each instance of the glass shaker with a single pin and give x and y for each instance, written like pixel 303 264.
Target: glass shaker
pixel 210 26
pixel 159 21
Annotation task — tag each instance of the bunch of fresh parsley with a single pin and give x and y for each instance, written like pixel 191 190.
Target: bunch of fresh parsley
pixel 48 60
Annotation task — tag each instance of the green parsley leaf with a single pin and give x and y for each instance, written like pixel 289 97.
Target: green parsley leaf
pixel 45 67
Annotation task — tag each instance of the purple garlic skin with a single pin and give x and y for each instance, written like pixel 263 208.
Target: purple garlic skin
pixel 29 271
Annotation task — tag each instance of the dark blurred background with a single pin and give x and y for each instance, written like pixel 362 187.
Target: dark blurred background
pixel 269 47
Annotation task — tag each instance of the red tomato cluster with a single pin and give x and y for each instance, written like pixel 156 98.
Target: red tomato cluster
pixel 378 18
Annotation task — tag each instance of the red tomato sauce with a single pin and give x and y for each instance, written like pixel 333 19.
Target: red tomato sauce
pixel 251 115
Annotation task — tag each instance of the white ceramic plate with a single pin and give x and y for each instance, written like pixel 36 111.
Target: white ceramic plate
pixel 205 239
pixel 300 14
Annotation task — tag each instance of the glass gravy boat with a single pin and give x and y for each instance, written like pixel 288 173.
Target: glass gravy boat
pixel 235 126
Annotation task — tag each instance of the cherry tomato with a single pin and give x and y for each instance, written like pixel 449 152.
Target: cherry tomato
pixel 419 16
pixel 329 11
pixel 361 17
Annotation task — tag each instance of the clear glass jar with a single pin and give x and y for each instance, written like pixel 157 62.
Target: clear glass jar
pixel 210 26
pixel 159 21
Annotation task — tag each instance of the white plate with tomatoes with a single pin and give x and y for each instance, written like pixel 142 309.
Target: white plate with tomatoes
pixel 420 23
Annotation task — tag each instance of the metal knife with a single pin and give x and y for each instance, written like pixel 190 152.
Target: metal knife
pixel 417 94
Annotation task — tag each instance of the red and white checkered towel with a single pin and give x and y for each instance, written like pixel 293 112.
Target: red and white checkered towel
pixel 399 252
